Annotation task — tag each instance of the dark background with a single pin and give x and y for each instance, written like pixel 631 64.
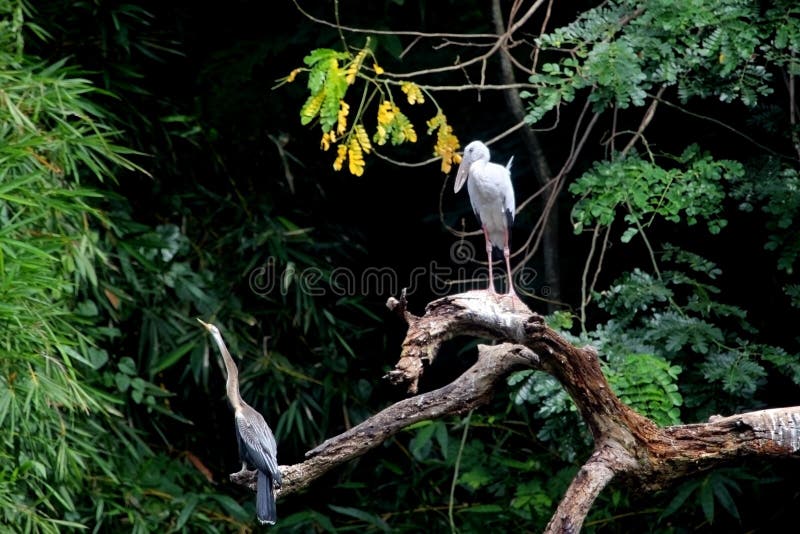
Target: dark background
pixel 217 66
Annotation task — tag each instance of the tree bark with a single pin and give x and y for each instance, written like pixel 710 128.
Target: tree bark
pixel 628 446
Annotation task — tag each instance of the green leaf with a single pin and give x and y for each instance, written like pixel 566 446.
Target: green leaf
pixel 127 366
pixel 123 381
pixel 628 234
pixel 724 497
pixel 172 358
pixel 421 444
pixel 366 517
pixel 188 509
pixel 97 357
pixel 321 54
pixel 442 437
pixel 706 496
pixel 683 493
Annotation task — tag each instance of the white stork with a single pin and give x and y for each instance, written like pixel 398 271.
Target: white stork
pixel 492 197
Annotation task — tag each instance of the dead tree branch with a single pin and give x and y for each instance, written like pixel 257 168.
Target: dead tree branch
pixel 628 446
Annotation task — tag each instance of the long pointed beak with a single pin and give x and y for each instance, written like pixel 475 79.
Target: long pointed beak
pixel 207 325
pixel 461 175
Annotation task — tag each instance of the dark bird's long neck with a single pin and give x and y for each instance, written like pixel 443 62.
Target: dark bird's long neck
pixel 232 383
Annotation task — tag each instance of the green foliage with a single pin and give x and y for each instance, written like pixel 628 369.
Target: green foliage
pixel 331 74
pixel 158 492
pixel 489 470
pixel 556 85
pixel 264 282
pixel 80 280
pixel 497 484
pixel 648 384
pixel 735 370
pixel 421 446
pixel 715 488
pixel 774 188
pixel 561 427
pixel 327 84
pixel 782 50
pixel 673 323
pixel 646 190
pixel 613 65
pixel 560 320
pixel 677 320
pixel 53 137
pixel 635 292
pixel 623 50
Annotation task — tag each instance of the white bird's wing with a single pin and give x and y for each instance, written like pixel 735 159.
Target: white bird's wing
pixel 473 198
pixel 509 203
pixel 475 210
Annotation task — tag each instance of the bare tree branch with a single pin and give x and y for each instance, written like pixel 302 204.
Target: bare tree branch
pixel 374 31
pixel 472 389
pixel 628 446
pixel 648 117
pixel 723 125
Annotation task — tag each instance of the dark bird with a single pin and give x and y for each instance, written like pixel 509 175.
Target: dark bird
pixel 257 446
pixel 492 197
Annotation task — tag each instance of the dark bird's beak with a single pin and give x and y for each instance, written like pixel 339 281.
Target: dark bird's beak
pixel 461 175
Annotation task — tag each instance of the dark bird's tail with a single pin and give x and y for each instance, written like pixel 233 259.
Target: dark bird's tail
pixel 265 499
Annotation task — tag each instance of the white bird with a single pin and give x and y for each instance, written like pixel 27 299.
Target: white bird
pixel 492 197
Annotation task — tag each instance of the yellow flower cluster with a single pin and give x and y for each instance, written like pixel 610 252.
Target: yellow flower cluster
pixel 446 142
pixel 341 126
pixel 293 75
pixel 341 153
pixel 392 121
pixel 354 67
pixel 356 158
pixel 413 93
pixel 363 138
pixel 327 139
pixel 352 150
pixel 312 107
pixel 386 114
pixel 406 130
pixel 341 117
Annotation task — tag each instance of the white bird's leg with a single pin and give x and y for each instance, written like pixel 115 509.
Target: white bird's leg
pixel 489 254
pixel 507 255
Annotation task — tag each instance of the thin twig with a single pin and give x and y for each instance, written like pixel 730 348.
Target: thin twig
pixel 541 32
pixel 650 250
pixel 455 471
pixel 373 31
pixel 559 180
pixel 722 124
pixel 600 260
pixel 648 116
pixel 585 274
pixel 793 113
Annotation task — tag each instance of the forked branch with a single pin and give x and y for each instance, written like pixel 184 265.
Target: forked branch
pixel 628 446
